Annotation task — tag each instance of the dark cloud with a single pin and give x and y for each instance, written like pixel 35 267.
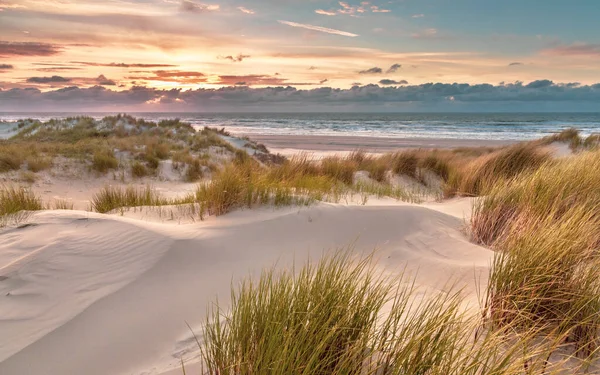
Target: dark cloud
pixel 323 81
pixel 374 70
pixel 6 67
pixel 238 58
pixel 103 81
pixel 28 49
pixel 394 68
pixel 312 68
pixel 516 63
pixel 535 95
pixel 388 82
pixel 53 79
pixel 124 65
pixel 540 84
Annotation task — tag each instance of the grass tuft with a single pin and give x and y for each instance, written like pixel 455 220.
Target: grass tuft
pixel 102 161
pixel 15 201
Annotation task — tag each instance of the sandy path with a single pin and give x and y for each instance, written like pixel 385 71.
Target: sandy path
pixel 113 295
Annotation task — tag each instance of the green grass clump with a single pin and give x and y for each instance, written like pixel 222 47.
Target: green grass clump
pixel 139 170
pixel 193 171
pixel 110 198
pixel 405 163
pixel 507 163
pixel 10 159
pixel 102 161
pixel 28 176
pixel 377 166
pixel 546 277
pixel 328 318
pixel 437 165
pixel 545 224
pixel 339 168
pixel 38 163
pixel 14 201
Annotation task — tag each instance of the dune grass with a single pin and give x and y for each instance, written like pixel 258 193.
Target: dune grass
pixel 104 160
pixel 15 203
pixel 340 316
pixel 569 136
pixel 545 225
pixel 110 198
pixel 481 174
pixel 139 170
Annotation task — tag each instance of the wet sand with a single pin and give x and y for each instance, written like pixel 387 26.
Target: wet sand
pixel 287 144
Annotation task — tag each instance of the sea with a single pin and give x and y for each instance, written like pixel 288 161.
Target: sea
pixel 483 126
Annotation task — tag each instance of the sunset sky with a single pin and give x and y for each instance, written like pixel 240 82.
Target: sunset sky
pixel 141 53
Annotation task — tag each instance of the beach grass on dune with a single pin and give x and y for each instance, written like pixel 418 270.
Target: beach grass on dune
pixel 340 316
pixel 110 198
pixel 545 225
pixel 481 174
pixel 16 202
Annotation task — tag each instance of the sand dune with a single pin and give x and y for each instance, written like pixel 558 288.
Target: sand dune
pixel 84 293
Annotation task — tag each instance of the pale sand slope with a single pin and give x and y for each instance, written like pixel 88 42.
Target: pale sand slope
pixel 84 293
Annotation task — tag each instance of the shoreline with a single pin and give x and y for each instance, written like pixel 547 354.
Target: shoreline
pixel 291 144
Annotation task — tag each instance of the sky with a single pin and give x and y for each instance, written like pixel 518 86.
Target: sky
pixel 229 55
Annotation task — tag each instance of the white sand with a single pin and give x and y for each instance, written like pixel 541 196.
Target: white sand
pixel 84 293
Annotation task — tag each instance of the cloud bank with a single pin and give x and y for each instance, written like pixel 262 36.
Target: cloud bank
pixel 431 96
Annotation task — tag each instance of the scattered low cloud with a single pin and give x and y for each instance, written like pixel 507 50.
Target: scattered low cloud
pixel 56 80
pixel 123 65
pixel 313 68
pixel 246 10
pixel 8 49
pixel 421 15
pixel 353 10
pixel 325 12
pixel 103 81
pixel 575 49
pixel 394 68
pixel 53 79
pixel 323 81
pixel 374 70
pixel 6 67
pixel 57 69
pixel 190 6
pixel 176 76
pixel 238 58
pixel 387 82
pixel 430 33
pixel 318 28
pixel 516 63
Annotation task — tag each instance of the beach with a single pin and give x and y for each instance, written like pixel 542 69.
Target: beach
pixel 125 290
pixel 332 144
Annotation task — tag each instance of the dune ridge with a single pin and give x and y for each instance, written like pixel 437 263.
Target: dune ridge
pixel 127 313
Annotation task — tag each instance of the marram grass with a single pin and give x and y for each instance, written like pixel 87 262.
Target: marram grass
pixel 545 226
pixel 340 316
pixel 16 203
